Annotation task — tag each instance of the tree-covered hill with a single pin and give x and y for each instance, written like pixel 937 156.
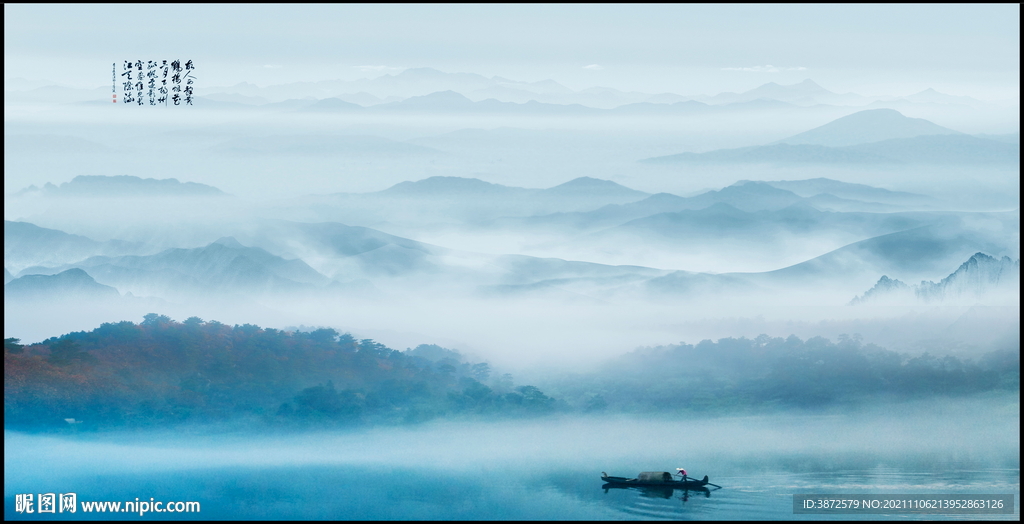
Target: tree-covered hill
pixel 162 372
pixel 741 374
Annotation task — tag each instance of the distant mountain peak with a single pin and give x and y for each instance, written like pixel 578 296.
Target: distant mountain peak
pixel 121 185
pixel 443 184
pixel 977 276
pixel 589 182
pixel 979 256
pixel 67 284
pixel 754 186
pixel 868 126
pixel 586 185
pixel 448 95
pixel 229 242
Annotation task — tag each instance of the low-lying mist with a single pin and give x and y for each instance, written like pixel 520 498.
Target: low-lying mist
pixel 559 331
pixel 930 434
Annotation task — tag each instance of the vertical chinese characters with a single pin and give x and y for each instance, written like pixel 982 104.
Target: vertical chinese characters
pixel 151 81
pixel 127 84
pixel 139 83
pixel 176 82
pixel 164 69
pixel 189 68
pixel 157 81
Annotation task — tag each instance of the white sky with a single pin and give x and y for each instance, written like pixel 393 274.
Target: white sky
pixel 870 49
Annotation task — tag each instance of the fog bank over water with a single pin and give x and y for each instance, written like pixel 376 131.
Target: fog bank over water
pixel 930 434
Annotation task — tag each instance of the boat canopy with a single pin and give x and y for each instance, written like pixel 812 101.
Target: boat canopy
pixel 654 476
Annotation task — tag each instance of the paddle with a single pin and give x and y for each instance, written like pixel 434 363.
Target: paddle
pixel 706 483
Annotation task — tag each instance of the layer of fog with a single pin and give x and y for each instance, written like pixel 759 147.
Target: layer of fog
pixel 527 151
pixel 929 435
pixel 554 333
pixel 468 299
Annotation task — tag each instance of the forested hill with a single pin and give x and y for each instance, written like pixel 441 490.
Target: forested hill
pixel 752 375
pixel 162 372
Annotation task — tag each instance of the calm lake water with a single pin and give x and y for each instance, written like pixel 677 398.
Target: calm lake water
pixel 541 469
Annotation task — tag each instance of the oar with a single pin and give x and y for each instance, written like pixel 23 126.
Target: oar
pixel 706 483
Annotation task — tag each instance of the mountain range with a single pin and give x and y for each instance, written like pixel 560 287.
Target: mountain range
pixel 877 136
pixel 456 199
pixel 979 275
pixel 122 185
pixel 260 257
pixel 27 245
pixel 223 267
pixel 424 80
pixel 71 284
pixel 742 198
pixel 864 127
pixel 418 82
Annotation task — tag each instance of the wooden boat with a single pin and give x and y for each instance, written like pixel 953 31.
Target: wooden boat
pixel 656 478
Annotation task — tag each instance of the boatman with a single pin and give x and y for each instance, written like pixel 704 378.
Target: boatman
pixel 682 473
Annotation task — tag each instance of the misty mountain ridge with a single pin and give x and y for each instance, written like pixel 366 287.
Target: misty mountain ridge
pixel 425 80
pixel 817 186
pixel 122 185
pixel 744 195
pixel 863 127
pixel 914 251
pixel 453 200
pixel 805 93
pixel 455 186
pixel 594 187
pixel 1010 138
pixel 920 150
pixel 71 284
pixel 875 136
pixel 979 275
pixel 931 96
pixel 421 81
pixel 27 245
pixel 450 186
pixel 222 266
pixel 726 232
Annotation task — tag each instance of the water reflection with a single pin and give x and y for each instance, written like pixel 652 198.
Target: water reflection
pixel 663 492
